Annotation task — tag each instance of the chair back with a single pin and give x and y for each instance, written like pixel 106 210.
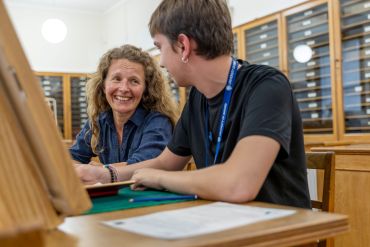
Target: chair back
pixel 324 161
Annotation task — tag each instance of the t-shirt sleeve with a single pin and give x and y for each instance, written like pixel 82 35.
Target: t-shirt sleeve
pixel 81 150
pixel 180 143
pixel 268 112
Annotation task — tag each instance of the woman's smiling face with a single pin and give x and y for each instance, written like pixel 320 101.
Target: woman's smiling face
pixel 124 86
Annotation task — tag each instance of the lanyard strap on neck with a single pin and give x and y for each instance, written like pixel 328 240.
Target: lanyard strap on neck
pixel 225 107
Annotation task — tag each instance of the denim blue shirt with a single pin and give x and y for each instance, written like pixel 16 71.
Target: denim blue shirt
pixel 145 135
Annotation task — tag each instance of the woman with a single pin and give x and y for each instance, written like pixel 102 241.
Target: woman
pixel 130 108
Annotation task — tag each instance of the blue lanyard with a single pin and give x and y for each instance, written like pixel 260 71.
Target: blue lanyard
pixel 225 106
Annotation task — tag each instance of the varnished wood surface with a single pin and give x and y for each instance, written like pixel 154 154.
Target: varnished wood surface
pixel 303 227
pixel 346 149
pixel 352 184
pixel 324 161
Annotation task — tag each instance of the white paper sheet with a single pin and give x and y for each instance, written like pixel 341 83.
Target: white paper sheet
pixel 198 220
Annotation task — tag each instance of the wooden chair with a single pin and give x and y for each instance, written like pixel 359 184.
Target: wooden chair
pixel 324 161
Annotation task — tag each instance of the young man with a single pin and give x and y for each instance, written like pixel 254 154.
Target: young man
pixel 241 123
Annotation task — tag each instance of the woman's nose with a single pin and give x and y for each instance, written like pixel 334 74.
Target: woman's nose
pixel 124 85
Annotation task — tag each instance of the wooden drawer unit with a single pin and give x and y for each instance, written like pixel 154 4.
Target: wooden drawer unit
pixel 78 103
pixel 53 87
pixel 355 31
pixel 311 79
pixel 261 42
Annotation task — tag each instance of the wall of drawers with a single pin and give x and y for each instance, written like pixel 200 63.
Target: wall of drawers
pixel 332 87
pixel 68 93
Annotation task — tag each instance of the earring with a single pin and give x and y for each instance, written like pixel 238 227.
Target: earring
pixel 185 60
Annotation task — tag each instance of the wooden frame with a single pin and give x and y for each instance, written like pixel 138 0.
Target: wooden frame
pixel 67 93
pixel 324 161
pixel 36 162
pixel 309 138
pixel 240 48
pixel 363 137
pixel 255 23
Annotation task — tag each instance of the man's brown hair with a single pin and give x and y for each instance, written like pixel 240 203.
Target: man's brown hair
pixel 208 22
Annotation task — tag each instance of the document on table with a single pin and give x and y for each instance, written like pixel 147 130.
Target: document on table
pixel 198 220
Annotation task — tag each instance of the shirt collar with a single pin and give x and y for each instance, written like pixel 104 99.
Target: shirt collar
pixel 137 118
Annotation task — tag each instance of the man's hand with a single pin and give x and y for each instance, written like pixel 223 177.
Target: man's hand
pixel 147 177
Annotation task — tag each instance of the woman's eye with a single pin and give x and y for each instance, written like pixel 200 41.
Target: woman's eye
pixel 115 79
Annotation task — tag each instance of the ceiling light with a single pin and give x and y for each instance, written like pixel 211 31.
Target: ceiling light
pixel 54 30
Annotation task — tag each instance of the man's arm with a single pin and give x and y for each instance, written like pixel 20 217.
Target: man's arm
pixel 239 179
pixel 165 161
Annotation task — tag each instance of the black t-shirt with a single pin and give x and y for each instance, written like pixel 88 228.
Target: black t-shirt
pixel 262 103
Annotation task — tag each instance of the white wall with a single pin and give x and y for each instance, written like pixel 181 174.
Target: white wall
pixel 79 52
pixel 247 10
pixel 127 22
pixel 90 35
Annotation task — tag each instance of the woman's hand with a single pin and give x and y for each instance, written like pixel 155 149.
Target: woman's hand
pixel 92 174
pixel 94 163
pixel 147 177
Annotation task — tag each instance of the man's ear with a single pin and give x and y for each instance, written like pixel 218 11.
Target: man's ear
pixel 185 46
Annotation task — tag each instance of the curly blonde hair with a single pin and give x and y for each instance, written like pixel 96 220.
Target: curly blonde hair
pixel 156 97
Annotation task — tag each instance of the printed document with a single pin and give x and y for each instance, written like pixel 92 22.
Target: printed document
pixel 198 220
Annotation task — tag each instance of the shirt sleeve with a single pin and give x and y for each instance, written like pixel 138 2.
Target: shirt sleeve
pixel 81 150
pixel 154 139
pixel 268 112
pixel 179 143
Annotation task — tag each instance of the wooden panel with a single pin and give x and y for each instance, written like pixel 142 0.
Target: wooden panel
pixel 32 238
pixel 351 198
pixel 352 184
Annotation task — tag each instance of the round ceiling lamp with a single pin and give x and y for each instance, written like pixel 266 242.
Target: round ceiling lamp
pixel 54 30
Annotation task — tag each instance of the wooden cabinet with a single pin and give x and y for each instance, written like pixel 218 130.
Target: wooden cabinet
pixel 309 68
pixel 68 92
pixel 78 103
pixel 352 184
pixel 355 30
pixel 260 42
pixel 53 85
pixel 332 86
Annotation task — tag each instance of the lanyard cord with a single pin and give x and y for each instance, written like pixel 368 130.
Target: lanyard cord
pixel 225 106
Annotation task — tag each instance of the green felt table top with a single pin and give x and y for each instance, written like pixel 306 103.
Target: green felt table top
pixel 121 200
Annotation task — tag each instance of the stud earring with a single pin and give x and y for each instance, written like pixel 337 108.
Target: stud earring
pixel 185 60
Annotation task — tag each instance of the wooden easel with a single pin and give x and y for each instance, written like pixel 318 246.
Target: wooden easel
pixel 38 184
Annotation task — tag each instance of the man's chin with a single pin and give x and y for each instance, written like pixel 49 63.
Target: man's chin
pixel 180 83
